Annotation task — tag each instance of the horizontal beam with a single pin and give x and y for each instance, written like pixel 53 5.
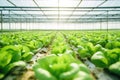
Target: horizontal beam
pixel 63 18
pixel 56 10
pixel 63 15
pixel 60 7
pixel 55 19
pixel 64 21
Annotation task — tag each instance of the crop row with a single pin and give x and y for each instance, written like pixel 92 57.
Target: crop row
pixel 67 52
pixel 61 63
pixel 102 49
pixel 19 47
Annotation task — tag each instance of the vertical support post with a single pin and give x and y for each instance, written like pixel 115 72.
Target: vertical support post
pixel 93 26
pixel 15 25
pixel 9 21
pixel 107 26
pixel 37 23
pixel 58 15
pixel 81 24
pixel 107 21
pixel 26 24
pixel 20 23
pixel 101 25
pixel 1 22
pixel 29 24
pixel 33 26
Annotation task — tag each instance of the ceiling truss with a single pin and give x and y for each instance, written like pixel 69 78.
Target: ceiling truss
pixel 100 13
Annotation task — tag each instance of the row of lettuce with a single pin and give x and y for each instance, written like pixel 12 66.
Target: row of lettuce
pixel 17 48
pixel 61 63
pixel 103 49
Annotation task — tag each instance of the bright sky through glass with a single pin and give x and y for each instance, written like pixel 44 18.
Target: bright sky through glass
pixel 67 15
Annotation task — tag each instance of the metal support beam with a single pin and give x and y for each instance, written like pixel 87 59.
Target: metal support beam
pixel 58 16
pixel 93 9
pixel 17 6
pixel 9 20
pixel 29 24
pixel 26 23
pixel 75 9
pixel 35 9
pixel 33 22
pixel 107 21
pixel 100 24
pixel 15 25
pixel 40 8
pixel 65 15
pixel 58 11
pixel 1 21
pixel 20 23
pixel 60 7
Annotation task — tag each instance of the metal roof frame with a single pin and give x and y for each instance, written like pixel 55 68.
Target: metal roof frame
pixel 56 17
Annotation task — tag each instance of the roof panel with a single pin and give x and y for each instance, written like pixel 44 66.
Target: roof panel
pixel 80 13
pixel 90 3
pixel 50 12
pixel 23 2
pixel 68 3
pixel 47 3
pixel 111 3
pixel 51 9
pixel 96 13
pixel 65 12
pixel 5 3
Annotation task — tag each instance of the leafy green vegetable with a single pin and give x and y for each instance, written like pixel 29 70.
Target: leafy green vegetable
pixel 83 52
pixel 83 76
pixel 7 68
pixel 42 74
pixel 113 44
pixel 5 59
pixel 14 51
pixel 99 59
pixel 98 47
pixel 84 68
pixel 73 69
pixel 115 68
pixel 62 67
pixel 113 55
pixel 27 56
pixel 1 75
pixel 23 49
pixel 17 46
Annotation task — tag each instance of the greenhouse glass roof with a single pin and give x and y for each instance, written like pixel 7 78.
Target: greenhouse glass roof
pixel 68 11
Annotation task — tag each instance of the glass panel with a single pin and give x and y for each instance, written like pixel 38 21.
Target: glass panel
pixel 47 3
pixel 5 3
pixel 111 3
pixel 23 2
pixel 90 3
pixel 68 3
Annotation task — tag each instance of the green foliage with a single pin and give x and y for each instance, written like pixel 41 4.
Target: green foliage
pixel 62 67
pixel 99 59
pixel 115 68
pixel 13 50
pixel 7 68
pixel 16 48
pixel 5 59
pixel 113 55
pixel 103 50
pixel 27 56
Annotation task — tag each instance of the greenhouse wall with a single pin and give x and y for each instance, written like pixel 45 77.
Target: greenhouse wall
pixel 98 25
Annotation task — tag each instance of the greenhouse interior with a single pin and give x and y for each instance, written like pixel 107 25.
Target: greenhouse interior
pixel 59 39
